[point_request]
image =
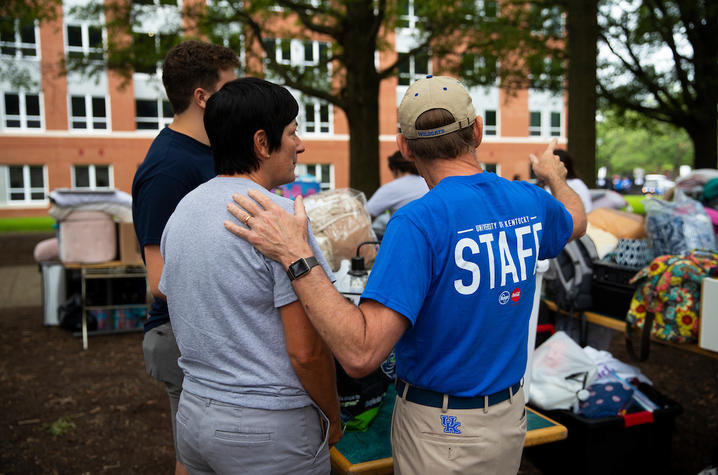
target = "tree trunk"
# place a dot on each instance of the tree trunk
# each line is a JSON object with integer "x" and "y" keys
{"x": 363, "y": 117}
{"x": 582, "y": 28}
{"x": 705, "y": 144}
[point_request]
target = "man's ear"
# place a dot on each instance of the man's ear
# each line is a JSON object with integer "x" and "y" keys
{"x": 200, "y": 97}
{"x": 478, "y": 130}
{"x": 404, "y": 148}
{"x": 261, "y": 144}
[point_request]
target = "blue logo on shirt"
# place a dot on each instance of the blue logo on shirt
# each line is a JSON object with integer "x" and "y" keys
{"x": 451, "y": 425}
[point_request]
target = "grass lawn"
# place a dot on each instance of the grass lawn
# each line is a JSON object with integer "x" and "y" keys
{"x": 33, "y": 223}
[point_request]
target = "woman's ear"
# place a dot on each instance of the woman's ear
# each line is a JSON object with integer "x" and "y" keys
{"x": 261, "y": 144}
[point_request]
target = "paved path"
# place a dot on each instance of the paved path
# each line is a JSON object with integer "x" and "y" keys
{"x": 20, "y": 286}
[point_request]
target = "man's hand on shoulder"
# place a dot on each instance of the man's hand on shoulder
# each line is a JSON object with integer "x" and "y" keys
{"x": 548, "y": 166}
{"x": 274, "y": 232}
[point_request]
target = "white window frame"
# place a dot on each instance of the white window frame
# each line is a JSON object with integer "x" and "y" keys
{"x": 555, "y": 131}
{"x": 408, "y": 17}
{"x": 161, "y": 120}
{"x": 319, "y": 126}
{"x": 85, "y": 48}
{"x": 23, "y": 117}
{"x": 26, "y": 189}
{"x": 19, "y": 45}
{"x": 491, "y": 130}
{"x": 89, "y": 117}
{"x": 323, "y": 171}
{"x": 533, "y": 129}
{"x": 412, "y": 74}
{"x": 92, "y": 175}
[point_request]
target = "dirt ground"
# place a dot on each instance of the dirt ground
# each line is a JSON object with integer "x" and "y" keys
{"x": 69, "y": 411}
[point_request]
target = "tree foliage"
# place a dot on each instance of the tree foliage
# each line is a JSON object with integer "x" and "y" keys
{"x": 663, "y": 64}
{"x": 630, "y": 141}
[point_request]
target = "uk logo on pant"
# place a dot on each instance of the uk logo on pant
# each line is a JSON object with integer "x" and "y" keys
{"x": 451, "y": 425}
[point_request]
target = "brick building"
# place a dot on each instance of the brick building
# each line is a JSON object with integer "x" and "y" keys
{"x": 70, "y": 131}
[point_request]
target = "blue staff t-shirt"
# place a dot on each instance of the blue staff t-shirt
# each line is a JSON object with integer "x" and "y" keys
{"x": 175, "y": 165}
{"x": 460, "y": 265}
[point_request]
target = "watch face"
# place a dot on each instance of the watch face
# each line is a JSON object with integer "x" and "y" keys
{"x": 298, "y": 268}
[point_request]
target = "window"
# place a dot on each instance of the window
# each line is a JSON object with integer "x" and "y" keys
{"x": 490, "y": 122}
{"x": 92, "y": 177}
{"x": 84, "y": 40}
{"x": 316, "y": 118}
{"x": 555, "y": 124}
{"x": 546, "y": 20}
{"x": 408, "y": 17}
{"x": 484, "y": 8}
{"x": 149, "y": 49}
{"x": 22, "y": 111}
{"x": 323, "y": 173}
{"x": 481, "y": 69}
{"x": 412, "y": 67}
{"x": 24, "y": 184}
{"x": 535, "y": 123}
{"x": 152, "y": 114}
{"x": 490, "y": 167}
{"x": 88, "y": 112}
{"x": 316, "y": 53}
{"x": 545, "y": 73}
{"x": 17, "y": 39}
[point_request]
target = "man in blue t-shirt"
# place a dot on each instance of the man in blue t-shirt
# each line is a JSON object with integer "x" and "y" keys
{"x": 452, "y": 287}
{"x": 178, "y": 160}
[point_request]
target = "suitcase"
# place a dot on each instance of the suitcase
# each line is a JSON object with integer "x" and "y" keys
{"x": 610, "y": 289}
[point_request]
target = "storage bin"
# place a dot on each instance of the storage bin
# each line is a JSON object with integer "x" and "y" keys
{"x": 639, "y": 442}
{"x": 610, "y": 290}
{"x": 54, "y": 291}
{"x": 87, "y": 237}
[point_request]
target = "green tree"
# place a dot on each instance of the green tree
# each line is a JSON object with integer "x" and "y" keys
{"x": 679, "y": 87}
{"x": 629, "y": 141}
{"x": 463, "y": 38}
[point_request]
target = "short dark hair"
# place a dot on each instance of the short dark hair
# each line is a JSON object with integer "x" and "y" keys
{"x": 397, "y": 163}
{"x": 444, "y": 146}
{"x": 193, "y": 64}
{"x": 567, "y": 160}
{"x": 236, "y": 112}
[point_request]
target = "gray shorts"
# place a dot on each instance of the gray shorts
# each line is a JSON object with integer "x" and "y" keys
{"x": 161, "y": 354}
{"x": 216, "y": 437}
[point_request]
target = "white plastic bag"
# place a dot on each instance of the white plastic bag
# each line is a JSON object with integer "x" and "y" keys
{"x": 560, "y": 370}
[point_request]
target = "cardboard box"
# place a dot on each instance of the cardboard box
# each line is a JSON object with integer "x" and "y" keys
{"x": 129, "y": 248}
{"x": 708, "y": 332}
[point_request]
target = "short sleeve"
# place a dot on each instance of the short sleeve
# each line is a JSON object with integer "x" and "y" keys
{"x": 557, "y": 222}
{"x": 155, "y": 202}
{"x": 401, "y": 275}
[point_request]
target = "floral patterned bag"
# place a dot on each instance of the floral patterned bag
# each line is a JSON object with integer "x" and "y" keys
{"x": 666, "y": 303}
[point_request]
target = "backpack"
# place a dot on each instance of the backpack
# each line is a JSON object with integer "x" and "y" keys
{"x": 666, "y": 304}
{"x": 570, "y": 275}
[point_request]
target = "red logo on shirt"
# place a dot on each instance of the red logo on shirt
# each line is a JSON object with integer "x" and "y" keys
{"x": 516, "y": 295}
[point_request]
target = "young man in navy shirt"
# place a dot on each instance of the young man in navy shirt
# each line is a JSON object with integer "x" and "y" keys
{"x": 451, "y": 288}
{"x": 178, "y": 160}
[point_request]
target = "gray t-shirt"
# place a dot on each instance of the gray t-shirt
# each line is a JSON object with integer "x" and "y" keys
{"x": 396, "y": 194}
{"x": 224, "y": 298}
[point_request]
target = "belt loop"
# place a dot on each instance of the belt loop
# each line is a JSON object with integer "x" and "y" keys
{"x": 511, "y": 395}
{"x": 522, "y": 382}
{"x": 486, "y": 404}
{"x": 445, "y": 403}
{"x": 406, "y": 389}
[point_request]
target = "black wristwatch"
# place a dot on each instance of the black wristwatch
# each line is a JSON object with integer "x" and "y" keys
{"x": 301, "y": 266}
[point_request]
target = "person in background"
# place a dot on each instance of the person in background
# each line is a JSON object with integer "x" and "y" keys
{"x": 574, "y": 181}
{"x": 406, "y": 186}
{"x": 451, "y": 288}
{"x": 259, "y": 394}
{"x": 178, "y": 160}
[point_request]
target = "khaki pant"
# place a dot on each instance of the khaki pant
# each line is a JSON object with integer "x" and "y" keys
{"x": 463, "y": 441}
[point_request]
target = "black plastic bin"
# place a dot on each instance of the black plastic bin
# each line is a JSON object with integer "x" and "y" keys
{"x": 637, "y": 443}
{"x": 610, "y": 289}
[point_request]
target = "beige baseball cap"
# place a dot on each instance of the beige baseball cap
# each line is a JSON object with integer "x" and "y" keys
{"x": 435, "y": 92}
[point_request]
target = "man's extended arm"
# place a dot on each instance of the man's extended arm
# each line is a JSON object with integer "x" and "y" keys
{"x": 549, "y": 168}
{"x": 313, "y": 364}
{"x": 360, "y": 337}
